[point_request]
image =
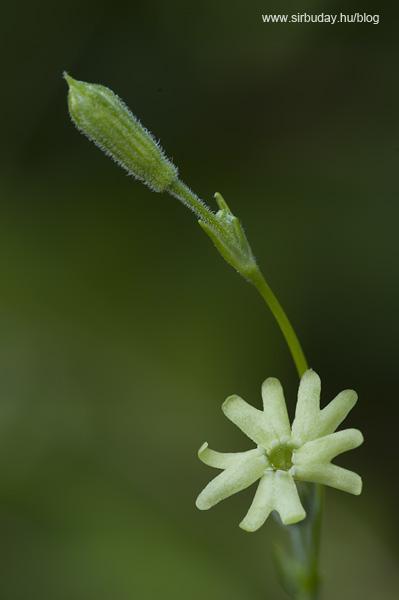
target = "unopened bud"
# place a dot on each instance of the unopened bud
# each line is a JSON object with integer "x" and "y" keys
{"x": 105, "y": 119}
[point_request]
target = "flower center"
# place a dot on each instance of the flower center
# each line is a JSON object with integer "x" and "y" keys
{"x": 281, "y": 457}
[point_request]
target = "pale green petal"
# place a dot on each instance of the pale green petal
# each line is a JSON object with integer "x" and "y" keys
{"x": 331, "y": 475}
{"x": 287, "y": 501}
{"x": 328, "y": 447}
{"x": 222, "y": 460}
{"x": 276, "y": 491}
{"x": 275, "y": 409}
{"x": 308, "y": 405}
{"x": 262, "y": 504}
{"x": 234, "y": 479}
{"x": 249, "y": 419}
{"x": 335, "y": 412}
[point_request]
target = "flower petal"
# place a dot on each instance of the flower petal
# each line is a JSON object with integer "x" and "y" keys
{"x": 335, "y": 412}
{"x": 328, "y": 447}
{"x": 262, "y": 504}
{"x": 222, "y": 460}
{"x": 249, "y": 419}
{"x": 234, "y": 479}
{"x": 308, "y": 405}
{"x": 331, "y": 475}
{"x": 275, "y": 408}
{"x": 287, "y": 501}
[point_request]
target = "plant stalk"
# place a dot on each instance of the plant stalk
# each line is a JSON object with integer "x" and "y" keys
{"x": 298, "y": 563}
{"x": 302, "y": 581}
{"x": 298, "y": 356}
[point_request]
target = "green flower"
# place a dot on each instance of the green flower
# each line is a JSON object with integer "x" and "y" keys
{"x": 283, "y": 454}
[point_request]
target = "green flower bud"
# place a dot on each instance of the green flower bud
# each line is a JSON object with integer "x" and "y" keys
{"x": 105, "y": 119}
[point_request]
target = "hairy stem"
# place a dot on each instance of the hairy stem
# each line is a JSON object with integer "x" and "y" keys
{"x": 182, "y": 192}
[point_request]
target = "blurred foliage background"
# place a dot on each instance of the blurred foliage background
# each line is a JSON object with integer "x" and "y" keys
{"x": 122, "y": 330}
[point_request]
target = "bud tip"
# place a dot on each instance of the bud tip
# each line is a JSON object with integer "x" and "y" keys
{"x": 68, "y": 78}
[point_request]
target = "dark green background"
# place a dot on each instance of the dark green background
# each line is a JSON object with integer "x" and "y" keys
{"x": 122, "y": 330}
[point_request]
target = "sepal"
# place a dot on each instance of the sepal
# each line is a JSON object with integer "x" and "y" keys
{"x": 230, "y": 240}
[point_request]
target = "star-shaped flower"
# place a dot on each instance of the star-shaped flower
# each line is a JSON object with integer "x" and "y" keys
{"x": 283, "y": 454}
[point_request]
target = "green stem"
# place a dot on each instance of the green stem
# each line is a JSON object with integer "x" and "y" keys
{"x": 279, "y": 314}
{"x": 182, "y": 192}
{"x": 300, "y": 568}
{"x": 304, "y": 538}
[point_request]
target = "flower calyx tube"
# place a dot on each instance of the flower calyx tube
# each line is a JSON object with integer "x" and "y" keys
{"x": 230, "y": 240}
{"x": 105, "y": 119}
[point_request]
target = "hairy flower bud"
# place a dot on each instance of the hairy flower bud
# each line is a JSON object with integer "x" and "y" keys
{"x": 105, "y": 119}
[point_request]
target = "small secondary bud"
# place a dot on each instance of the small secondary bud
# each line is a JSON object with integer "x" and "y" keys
{"x": 230, "y": 239}
{"x": 105, "y": 119}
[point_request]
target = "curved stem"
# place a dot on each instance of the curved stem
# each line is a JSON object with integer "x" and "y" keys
{"x": 258, "y": 280}
{"x": 301, "y": 565}
{"x": 304, "y": 538}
